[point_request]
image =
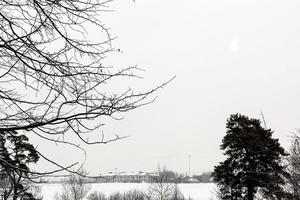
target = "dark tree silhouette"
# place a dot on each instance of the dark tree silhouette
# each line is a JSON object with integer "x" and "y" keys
{"x": 253, "y": 163}
{"x": 53, "y": 74}
{"x": 15, "y": 155}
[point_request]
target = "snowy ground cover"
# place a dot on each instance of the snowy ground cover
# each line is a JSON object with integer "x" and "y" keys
{"x": 197, "y": 191}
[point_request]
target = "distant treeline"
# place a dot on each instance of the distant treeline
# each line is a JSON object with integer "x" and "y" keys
{"x": 168, "y": 176}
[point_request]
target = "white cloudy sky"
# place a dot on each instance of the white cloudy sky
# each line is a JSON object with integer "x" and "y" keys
{"x": 228, "y": 56}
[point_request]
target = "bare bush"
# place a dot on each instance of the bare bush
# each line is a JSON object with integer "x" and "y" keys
{"x": 96, "y": 196}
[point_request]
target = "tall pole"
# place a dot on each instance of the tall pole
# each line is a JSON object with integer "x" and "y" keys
{"x": 189, "y": 165}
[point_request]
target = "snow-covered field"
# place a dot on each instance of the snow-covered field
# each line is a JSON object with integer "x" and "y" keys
{"x": 197, "y": 191}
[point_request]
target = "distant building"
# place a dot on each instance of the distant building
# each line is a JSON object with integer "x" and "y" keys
{"x": 124, "y": 177}
{"x": 192, "y": 180}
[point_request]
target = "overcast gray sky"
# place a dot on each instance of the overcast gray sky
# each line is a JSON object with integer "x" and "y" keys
{"x": 229, "y": 56}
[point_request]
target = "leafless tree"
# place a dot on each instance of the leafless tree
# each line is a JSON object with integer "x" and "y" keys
{"x": 293, "y": 167}
{"x": 53, "y": 74}
{"x": 163, "y": 189}
{"x": 75, "y": 187}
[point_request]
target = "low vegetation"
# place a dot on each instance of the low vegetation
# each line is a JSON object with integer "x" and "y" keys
{"x": 76, "y": 187}
{"x": 138, "y": 195}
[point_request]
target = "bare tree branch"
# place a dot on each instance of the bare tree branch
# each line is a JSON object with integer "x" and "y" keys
{"x": 53, "y": 75}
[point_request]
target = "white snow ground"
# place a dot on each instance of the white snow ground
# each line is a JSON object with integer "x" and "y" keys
{"x": 197, "y": 191}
